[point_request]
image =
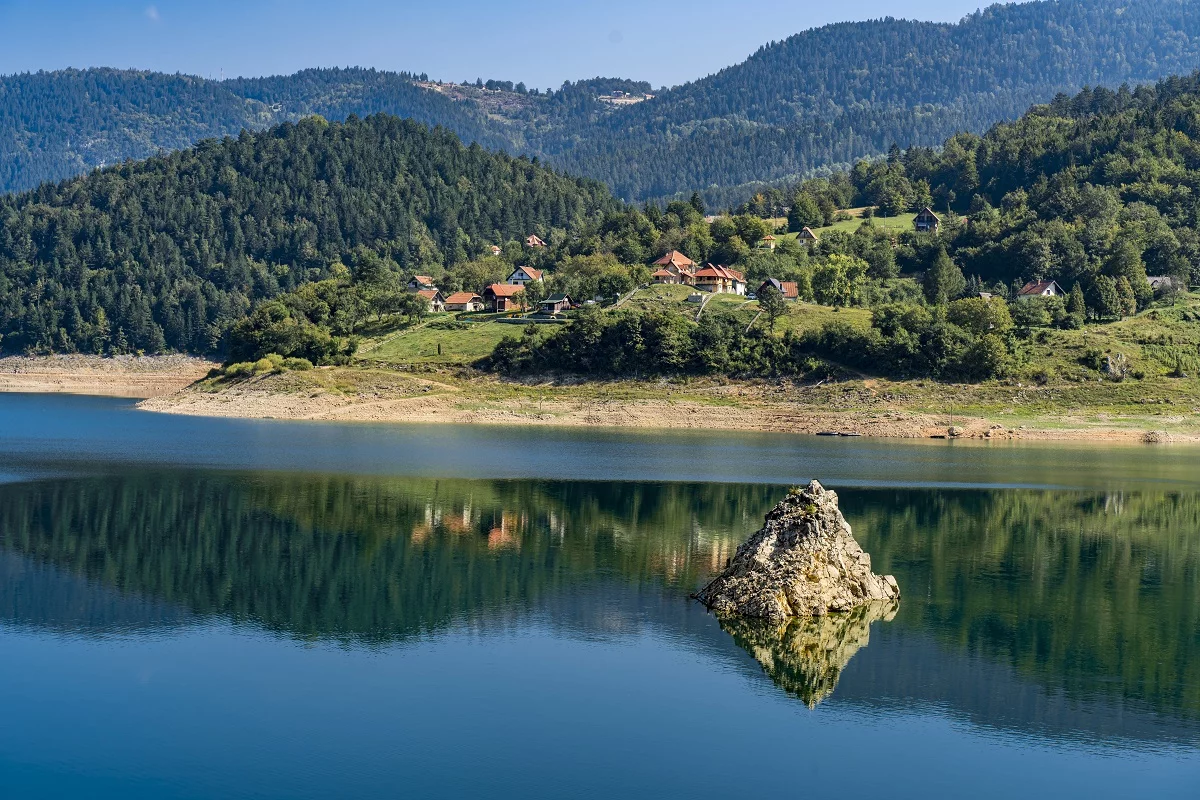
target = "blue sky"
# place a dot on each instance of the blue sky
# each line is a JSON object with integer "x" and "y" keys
{"x": 537, "y": 41}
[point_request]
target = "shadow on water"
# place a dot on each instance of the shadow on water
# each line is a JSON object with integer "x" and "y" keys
{"x": 1035, "y": 610}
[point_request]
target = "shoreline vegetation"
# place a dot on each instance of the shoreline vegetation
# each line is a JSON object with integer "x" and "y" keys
{"x": 868, "y": 407}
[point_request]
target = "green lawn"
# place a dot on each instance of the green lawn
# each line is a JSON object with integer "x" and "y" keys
{"x": 461, "y": 343}
{"x": 901, "y": 222}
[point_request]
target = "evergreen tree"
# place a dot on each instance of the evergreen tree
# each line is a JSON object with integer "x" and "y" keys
{"x": 944, "y": 279}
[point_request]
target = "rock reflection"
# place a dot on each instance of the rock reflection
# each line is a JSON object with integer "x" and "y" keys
{"x": 806, "y": 655}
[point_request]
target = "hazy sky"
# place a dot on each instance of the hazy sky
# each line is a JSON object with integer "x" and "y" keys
{"x": 538, "y": 41}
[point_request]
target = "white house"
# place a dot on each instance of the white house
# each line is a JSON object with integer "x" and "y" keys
{"x": 1040, "y": 289}
{"x": 523, "y": 275}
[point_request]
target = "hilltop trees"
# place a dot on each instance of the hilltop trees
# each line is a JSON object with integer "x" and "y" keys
{"x": 171, "y": 252}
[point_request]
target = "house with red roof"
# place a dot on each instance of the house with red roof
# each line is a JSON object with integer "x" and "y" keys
{"x": 720, "y": 280}
{"x": 789, "y": 289}
{"x": 675, "y": 268}
{"x": 534, "y": 241}
{"x": 501, "y": 297}
{"x": 464, "y": 301}
{"x": 437, "y": 303}
{"x": 1040, "y": 289}
{"x": 420, "y": 282}
{"x": 523, "y": 275}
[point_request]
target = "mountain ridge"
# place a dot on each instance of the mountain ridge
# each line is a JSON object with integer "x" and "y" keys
{"x": 823, "y": 96}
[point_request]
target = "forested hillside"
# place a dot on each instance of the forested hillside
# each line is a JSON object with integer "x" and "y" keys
{"x": 833, "y": 94}
{"x": 56, "y": 125}
{"x": 825, "y": 96}
{"x": 168, "y": 253}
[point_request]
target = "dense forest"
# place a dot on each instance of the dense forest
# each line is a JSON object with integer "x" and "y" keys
{"x": 825, "y": 96}
{"x": 168, "y": 253}
{"x": 1086, "y": 190}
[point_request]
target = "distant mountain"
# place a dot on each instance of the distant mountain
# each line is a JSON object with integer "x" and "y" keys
{"x": 56, "y": 125}
{"x": 824, "y": 96}
{"x": 168, "y": 253}
{"x": 833, "y": 94}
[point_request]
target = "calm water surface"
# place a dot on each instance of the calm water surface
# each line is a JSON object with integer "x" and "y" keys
{"x": 200, "y": 608}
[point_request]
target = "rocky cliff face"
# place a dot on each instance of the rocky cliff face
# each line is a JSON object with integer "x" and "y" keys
{"x": 804, "y": 562}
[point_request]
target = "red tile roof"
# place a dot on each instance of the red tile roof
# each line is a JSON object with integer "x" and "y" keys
{"x": 462, "y": 298}
{"x": 790, "y": 290}
{"x": 1036, "y": 287}
{"x": 423, "y": 280}
{"x": 536, "y": 274}
{"x": 711, "y": 271}
{"x": 534, "y": 241}
{"x": 429, "y": 294}
{"x": 676, "y": 259}
{"x": 504, "y": 289}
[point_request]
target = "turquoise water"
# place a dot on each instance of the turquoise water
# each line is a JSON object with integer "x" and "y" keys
{"x": 199, "y": 608}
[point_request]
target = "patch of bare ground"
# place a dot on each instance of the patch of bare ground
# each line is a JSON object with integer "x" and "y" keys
{"x": 118, "y": 376}
{"x": 868, "y": 408}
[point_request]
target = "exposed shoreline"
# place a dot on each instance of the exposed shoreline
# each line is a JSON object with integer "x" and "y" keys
{"x": 119, "y": 376}
{"x": 382, "y": 396}
{"x": 177, "y": 385}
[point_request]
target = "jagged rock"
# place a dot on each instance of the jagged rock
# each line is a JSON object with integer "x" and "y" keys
{"x": 804, "y": 562}
{"x": 805, "y": 656}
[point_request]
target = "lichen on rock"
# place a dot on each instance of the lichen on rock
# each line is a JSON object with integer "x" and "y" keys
{"x": 804, "y": 562}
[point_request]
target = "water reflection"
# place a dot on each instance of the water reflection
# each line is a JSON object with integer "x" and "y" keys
{"x": 806, "y": 656}
{"x": 1091, "y": 598}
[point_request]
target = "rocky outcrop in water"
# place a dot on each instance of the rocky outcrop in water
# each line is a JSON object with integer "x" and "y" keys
{"x": 803, "y": 563}
{"x": 805, "y": 656}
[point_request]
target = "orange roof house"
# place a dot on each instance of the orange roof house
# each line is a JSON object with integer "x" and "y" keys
{"x": 437, "y": 303}
{"x": 715, "y": 278}
{"x": 676, "y": 259}
{"x": 675, "y": 267}
{"x": 523, "y": 275}
{"x": 534, "y": 241}
{"x": 464, "y": 301}
{"x": 789, "y": 289}
{"x": 503, "y": 296}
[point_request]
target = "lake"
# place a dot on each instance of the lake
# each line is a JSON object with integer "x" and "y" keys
{"x": 200, "y": 607}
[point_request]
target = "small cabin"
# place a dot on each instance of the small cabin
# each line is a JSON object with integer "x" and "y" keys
{"x": 421, "y": 282}
{"x": 767, "y": 242}
{"x": 523, "y": 275}
{"x": 464, "y": 301}
{"x": 437, "y": 303}
{"x": 806, "y": 237}
{"x": 496, "y": 250}
{"x": 789, "y": 289}
{"x": 1040, "y": 289}
{"x": 555, "y": 304}
{"x": 927, "y": 221}
{"x": 500, "y": 297}
{"x": 534, "y": 241}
